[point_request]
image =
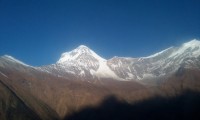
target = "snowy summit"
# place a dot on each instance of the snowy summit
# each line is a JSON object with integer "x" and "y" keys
{"x": 77, "y": 53}
{"x": 83, "y": 59}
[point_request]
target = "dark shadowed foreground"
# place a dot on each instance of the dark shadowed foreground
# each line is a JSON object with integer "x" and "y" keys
{"x": 186, "y": 106}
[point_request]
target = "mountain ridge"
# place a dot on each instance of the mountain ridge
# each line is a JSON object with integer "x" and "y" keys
{"x": 54, "y": 92}
{"x": 126, "y": 68}
{"x": 189, "y": 43}
{"x": 84, "y": 63}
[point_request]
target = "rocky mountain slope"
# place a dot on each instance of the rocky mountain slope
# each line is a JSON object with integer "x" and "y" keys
{"x": 52, "y": 97}
{"x": 82, "y": 79}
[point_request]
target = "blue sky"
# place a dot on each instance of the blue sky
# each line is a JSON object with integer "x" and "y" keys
{"x": 38, "y": 31}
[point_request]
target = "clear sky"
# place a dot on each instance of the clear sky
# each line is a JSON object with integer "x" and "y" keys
{"x": 38, "y": 31}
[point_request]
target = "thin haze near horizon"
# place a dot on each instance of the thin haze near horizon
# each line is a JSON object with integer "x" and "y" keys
{"x": 37, "y": 32}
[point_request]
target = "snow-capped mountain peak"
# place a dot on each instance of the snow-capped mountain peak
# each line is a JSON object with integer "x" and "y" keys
{"x": 191, "y": 48}
{"x": 192, "y": 44}
{"x": 84, "y": 63}
{"x": 79, "y": 53}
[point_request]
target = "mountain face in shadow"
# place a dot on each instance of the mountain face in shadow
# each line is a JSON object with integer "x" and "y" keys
{"x": 12, "y": 108}
{"x": 185, "y": 106}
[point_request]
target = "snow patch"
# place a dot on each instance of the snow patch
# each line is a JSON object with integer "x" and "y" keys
{"x": 146, "y": 75}
{"x": 82, "y": 73}
{"x": 130, "y": 75}
{"x": 105, "y": 72}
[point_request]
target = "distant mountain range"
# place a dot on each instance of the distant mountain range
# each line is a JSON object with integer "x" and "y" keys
{"x": 81, "y": 78}
{"x": 84, "y": 63}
